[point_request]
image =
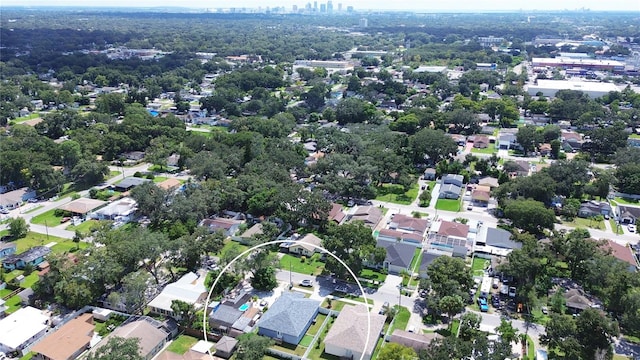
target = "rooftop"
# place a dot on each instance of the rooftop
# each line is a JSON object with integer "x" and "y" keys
{"x": 68, "y": 339}
{"x": 189, "y": 288}
{"x": 19, "y": 327}
{"x": 349, "y": 331}
{"x": 82, "y": 205}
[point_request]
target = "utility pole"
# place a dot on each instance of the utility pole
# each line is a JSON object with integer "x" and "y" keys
{"x": 290, "y": 276}
{"x": 46, "y": 227}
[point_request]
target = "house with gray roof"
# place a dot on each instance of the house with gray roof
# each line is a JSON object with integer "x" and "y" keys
{"x": 593, "y": 208}
{"x": 628, "y": 214}
{"x": 33, "y": 257}
{"x": 399, "y": 256}
{"x": 7, "y": 248}
{"x": 289, "y": 318}
{"x": 449, "y": 191}
{"x": 223, "y": 317}
{"x": 129, "y": 183}
{"x": 425, "y": 261}
{"x": 497, "y": 238}
{"x": 454, "y": 179}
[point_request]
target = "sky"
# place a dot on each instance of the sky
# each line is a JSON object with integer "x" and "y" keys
{"x": 428, "y": 5}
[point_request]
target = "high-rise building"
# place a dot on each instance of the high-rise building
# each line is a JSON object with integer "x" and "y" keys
{"x": 329, "y": 6}
{"x": 294, "y": 8}
{"x": 315, "y": 6}
{"x": 339, "y": 7}
{"x": 363, "y": 23}
{"x": 350, "y": 9}
{"x": 323, "y": 8}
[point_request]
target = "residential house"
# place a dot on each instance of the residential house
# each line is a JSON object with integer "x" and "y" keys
{"x": 489, "y": 181}
{"x": 7, "y": 248}
{"x": 68, "y": 342}
{"x": 134, "y": 155}
{"x": 409, "y": 224}
{"x": 622, "y": 253}
{"x": 429, "y": 174}
{"x": 170, "y": 185}
{"x": 545, "y": 149}
{"x": 289, "y": 318}
{"x": 307, "y": 245}
{"x": 336, "y": 214}
{"x": 593, "y": 208}
{"x": 449, "y": 191}
{"x": 13, "y": 199}
{"x": 82, "y": 206}
{"x": 20, "y": 329}
{"x": 519, "y": 168}
{"x": 571, "y": 140}
{"x": 370, "y": 215}
{"x": 461, "y": 140}
{"x": 480, "y": 197}
{"x": 576, "y": 300}
{"x": 399, "y": 256}
{"x": 450, "y": 228}
{"x": 628, "y": 214}
{"x": 495, "y": 241}
{"x": 189, "y": 288}
{"x": 129, "y": 183}
{"x": 481, "y": 142}
{"x": 32, "y": 257}
{"x": 228, "y": 226}
{"x": 454, "y": 179}
{"x": 449, "y": 238}
{"x": 350, "y": 333}
{"x": 507, "y": 141}
{"x": 246, "y": 236}
{"x": 123, "y": 210}
{"x": 199, "y": 351}
{"x": 413, "y": 340}
{"x": 400, "y": 236}
{"x": 152, "y": 335}
{"x": 223, "y": 317}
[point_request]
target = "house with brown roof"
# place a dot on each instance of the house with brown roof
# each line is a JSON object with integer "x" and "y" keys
{"x": 370, "y": 215}
{"x": 409, "y": 224}
{"x": 68, "y": 342}
{"x": 481, "y": 142}
{"x": 545, "y": 149}
{"x": 400, "y": 236}
{"x": 489, "y": 181}
{"x": 152, "y": 335}
{"x": 349, "y": 333}
{"x": 413, "y": 340}
{"x": 450, "y": 229}
{"x": 170, "y": 184}
{"x": 228, "y": 226}
{"x": 480, "y": 197}
{"x": 306, "y": 245}
{"x": 336, "y": 214}
{"x": 622, "y": 253}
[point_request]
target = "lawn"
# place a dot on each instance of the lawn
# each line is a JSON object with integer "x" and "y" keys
{"x": 13, "y": 304}
{"x": 371, "y": 274}
{"x": 488, "y": 150}
{"x": 585, "y": 223}
{"x": 28, "y": 356}
{"x": 539, "y": 317}
{"x": 47, "y": 218}
{"x": 35, "y": 239}
{"x": 182, "y": 344}
{"x": 229, "y": 244}
{"x": 625, "y": 201}
{"x": 614, "y": 226}
{"x": 478, "y": 266}
{"x": 448, "y": 205}
{"x": 22, "y": 119}
{"x": 415, "y": 262}
{"x": 85, "y": 228}
{"x": 313, "y": 329}
{"x": 401, "y": 320}
{"x": 451, "y": 330}
{"x": 310, "y": 266}
{"x": 159, "y": 179}
{"x": 336, "y": 305}
{"x": 395, "y": 193}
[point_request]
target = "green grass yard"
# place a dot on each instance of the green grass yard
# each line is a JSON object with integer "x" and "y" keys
{"x": 625, "y": 201}
{"x": 35, "y": 239}
{"x": 85, "y": 228}
{"x": 47, "y": 218}
{"x": 585, "y": 223}
{"x": 448, "y": 205}
{"x": 310, "y": 266}
{"x": 491, "y": 149}
{"x": 402, "y": 319}
{"x": 182, "y": 344}
{"x": 395, "y": 193}
{"x": 478, "y": 266}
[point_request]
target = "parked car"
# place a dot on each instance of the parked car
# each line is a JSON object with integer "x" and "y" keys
{"x": 512, "y": 291}
{"x": 496, "y": 283}
{"x": 482, "y": 303}
{"x": 384, "y": 308}
{"x": 544, "y": 310}
{"x": 306, "y": 283}
{"x": 631, "y": 228}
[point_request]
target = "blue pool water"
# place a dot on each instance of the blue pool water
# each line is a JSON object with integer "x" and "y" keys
{"x": 153, "y": 113}
{"x": 244, "y": 307}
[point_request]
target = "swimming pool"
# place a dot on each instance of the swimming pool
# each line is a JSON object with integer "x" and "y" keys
{"x": 244, "y": 307}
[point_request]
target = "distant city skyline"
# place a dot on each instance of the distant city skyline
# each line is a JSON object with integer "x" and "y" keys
{"x": 460, "y": 5}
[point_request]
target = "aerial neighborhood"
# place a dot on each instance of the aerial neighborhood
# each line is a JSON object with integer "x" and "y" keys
{"x": 319, "y": 182}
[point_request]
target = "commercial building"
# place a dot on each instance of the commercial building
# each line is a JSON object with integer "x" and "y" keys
{"x": 581, "y": 63}
{"x": 549, "y": 88}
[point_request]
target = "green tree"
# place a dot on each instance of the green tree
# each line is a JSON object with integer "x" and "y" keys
{"x": 252, "y": 346}
{"x": 117, "y": 348}
{"x": 528, "y": 137}
{"x": 353, "y": 110}
{"x": 507, "y": 332}
{"x": 184, "y": 312}
{"x": 451, "y": 305}
{"x": 110, "y": 104}
{"x": 393, "y": 351}
{"x": 428, "y": 145}
{"x": 18, "y": 228}
{"x": 529, "y": 215}
{"x": 352, "y": 243}
{"x": 449, "y": 276}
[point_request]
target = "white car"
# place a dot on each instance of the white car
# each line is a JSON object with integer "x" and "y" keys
{"x": 631, "y": 228}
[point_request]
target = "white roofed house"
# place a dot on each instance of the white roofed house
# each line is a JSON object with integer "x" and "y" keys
{"x": 305, "y": 245}
{"x": 20, "y": 329}
{"x": 189, "y": 288}
{"x": 123, "y": 209}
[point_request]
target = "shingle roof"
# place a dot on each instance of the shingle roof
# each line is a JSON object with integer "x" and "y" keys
{"x": 409, "y": 223}
{"x": 289, "y": 314}
{"x": 413, "y": 340}
{"x": 621, "y": 252}
{"x": 501, "y": 238}
{"x": 398, "y": 254}
{"x": 449, "y": 228}
{"x": 349, "y": 331}
{"x": 27, "y": 256}
{"x": 147, "y": 330}
{"x": 68, "y": 339}
{"x": 225, "y": 315}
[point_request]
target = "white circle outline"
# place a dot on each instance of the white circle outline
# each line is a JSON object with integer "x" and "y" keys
{"x": 255, "y": 247}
